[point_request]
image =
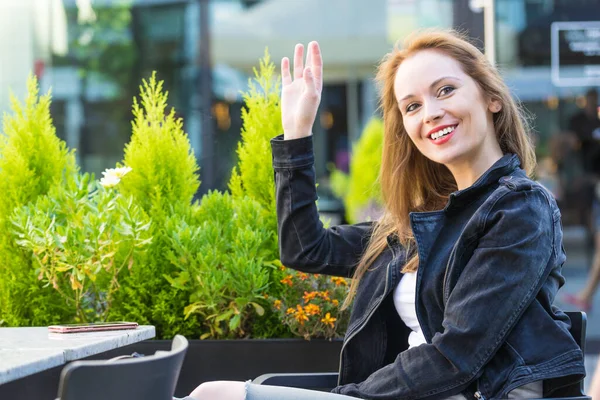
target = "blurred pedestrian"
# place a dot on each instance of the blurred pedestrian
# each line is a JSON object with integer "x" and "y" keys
{"x": 586, "y": 125}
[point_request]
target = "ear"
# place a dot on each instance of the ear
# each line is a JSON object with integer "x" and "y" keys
{"x": 494, "y": 106}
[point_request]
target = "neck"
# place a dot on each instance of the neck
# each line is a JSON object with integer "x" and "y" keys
{"x": 469, "y": 169}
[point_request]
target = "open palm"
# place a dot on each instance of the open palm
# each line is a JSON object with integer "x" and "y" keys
{"x": 300, "y": 96}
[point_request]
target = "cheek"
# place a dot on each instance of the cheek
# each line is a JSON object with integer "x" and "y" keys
{"x": 412, "y": 128}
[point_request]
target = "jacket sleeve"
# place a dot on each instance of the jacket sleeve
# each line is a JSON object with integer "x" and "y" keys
{"x": 304, "y": 243}
{"x": 516, "y": 252}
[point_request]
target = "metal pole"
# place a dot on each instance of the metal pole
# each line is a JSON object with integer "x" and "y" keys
{"x": 489, "y": 27}
{"x": 207, "y": 173}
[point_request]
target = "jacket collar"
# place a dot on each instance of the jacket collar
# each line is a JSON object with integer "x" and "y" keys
{"x": 504, "y": 166}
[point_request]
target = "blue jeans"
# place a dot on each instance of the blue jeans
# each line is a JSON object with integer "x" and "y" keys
{"x": 266, "y": 392}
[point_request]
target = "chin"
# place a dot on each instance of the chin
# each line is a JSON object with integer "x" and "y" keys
{"x": 446, "y": 157}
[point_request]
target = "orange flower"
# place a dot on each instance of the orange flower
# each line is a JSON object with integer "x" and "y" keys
{"x": 277, "y": 304}
{"x": 266, "y": 296}
{"x": 287, "y": 280}
{"x": 309, "y": 296}
{"x": 328, "y": 320}
{"x": 335, "y": 302}
{"x": 301, "y": 315}
{"x": 312, "y": 309}
{"x": 290, "y": 311}
{"x": 324, "y": 295}
{"x": 339, "y": 281}
{"x": 282, "y": 268}
{"x": 302, "y": 276}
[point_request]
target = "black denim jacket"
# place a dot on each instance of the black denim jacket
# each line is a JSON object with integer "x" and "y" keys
{"x": 489, "y": 269}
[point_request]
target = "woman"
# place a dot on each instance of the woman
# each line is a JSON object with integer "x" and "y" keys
{"x": 454, "y": 285}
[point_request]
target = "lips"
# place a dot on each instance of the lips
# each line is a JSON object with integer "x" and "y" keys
{"x": 441, "y": 130}
{"x": 442, "y": 134}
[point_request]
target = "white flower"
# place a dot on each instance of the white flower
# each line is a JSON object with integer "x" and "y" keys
{"x": 121, "y": 172}
{"x": 117, "y": 172}
{"x": 110, "y": 181}
{"x": 112, "y": 176}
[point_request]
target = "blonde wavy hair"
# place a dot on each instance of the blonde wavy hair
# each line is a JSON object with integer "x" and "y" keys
{"x": 410, "y": 181}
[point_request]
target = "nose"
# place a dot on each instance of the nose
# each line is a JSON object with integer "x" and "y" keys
{"x": 433, "y": 112}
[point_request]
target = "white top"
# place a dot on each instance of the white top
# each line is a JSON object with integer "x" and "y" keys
{"x": 26, "y": 351}
{"x": 404, "y": 301}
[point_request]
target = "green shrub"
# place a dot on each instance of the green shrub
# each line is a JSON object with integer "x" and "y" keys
{"x": 82, "y": 239}
{"x": 222, "y": 259}
{"x": 165, "y": 172}
{"x": 253, "y": 176}
{"x": 226, "y": 252}
{"x": 32, "y": 161}
{"x": 360, "y": 189}
{"x": 261, "y": 118}
{"x": 163, "y": 181}
{"x": 206, "y": 271}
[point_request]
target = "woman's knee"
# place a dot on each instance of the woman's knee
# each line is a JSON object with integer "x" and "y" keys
{"x": 220, "y": 390}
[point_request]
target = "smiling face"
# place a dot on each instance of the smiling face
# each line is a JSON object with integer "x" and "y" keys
{"x": 445, "y": 113}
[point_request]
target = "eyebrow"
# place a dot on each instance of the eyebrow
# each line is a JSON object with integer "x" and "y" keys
{"x": 438, "y": 80}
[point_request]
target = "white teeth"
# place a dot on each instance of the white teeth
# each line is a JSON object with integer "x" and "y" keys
{"x": 443, "y": 132}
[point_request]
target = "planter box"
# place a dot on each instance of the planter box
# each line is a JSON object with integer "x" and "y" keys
{"x": 206, "y": 360}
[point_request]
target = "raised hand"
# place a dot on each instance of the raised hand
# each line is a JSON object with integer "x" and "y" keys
{"x": 300, "y": 96}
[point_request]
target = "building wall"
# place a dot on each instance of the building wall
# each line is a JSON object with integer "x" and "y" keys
{"x": 16, "y": 49}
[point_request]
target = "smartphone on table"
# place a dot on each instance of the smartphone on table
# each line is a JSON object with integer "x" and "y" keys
{"x": 92, "y": 327}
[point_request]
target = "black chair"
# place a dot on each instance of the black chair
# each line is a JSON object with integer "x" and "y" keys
{"x": 134, "y": 377}
{"x": 327, "y": 381}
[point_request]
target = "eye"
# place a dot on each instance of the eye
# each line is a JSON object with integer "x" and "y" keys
{"x": 411, "y": 107}
{"x": 445, "y": 90}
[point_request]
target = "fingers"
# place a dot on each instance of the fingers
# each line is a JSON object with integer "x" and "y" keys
{"x": 316, "y": 64}
{"x": 286, "y": 77}
{"x": 309, "y": 80}
{"x": 298, "y": 61}
{"x": 314, "y": 61}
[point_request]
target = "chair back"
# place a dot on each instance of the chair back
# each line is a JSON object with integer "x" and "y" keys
{"x": 151, "y": 377}
{"x": 578, "y": 327}
{"x": 575, "y": 390}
